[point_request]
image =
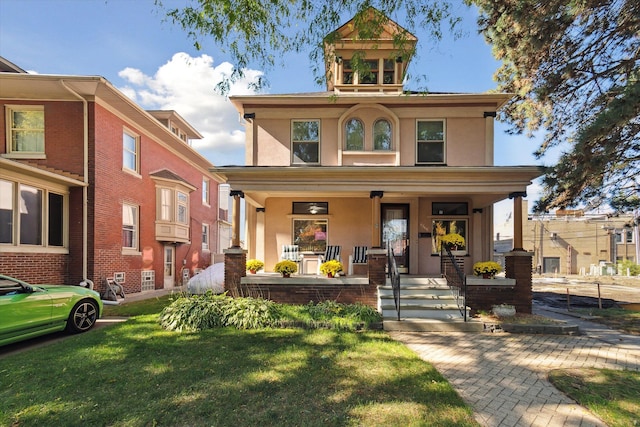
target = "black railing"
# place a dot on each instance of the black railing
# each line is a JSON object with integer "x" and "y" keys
{"x": 394, "y": 277}
{"x": 456, "y": 279}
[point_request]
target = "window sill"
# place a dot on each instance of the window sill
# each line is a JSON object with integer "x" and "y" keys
{"x": 131, "y": 172}
{"x": 35, "y": 156}
{"x": 7, "y": 248}
{"x": 127, "y": 251}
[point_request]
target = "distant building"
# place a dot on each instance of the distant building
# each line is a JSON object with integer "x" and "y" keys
{"x": 577, "y": 242}
{"x": 92, "y": 186}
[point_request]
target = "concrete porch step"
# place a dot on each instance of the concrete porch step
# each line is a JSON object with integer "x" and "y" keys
{"x": 432, "y": 325}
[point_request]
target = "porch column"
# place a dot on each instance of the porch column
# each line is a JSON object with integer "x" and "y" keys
{"x": 489, "y": 117}
{"x": 375, "y": 196}
{"x": 235, "y": 224}
{"x": 517, "y": 219}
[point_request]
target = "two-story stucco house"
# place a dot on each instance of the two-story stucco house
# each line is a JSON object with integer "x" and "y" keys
{"x": 366, "y": 163}
{"x": 94, "y": 187}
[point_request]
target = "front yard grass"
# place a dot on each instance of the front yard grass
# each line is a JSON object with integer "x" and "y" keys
{"x": 137, "y": 374}
{"x": 616, "y": 318}
{"x": 612, "y": 395}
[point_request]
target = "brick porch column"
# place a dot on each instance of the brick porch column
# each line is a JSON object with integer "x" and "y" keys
{"x": 235, "y": 267}
{"x": 376, "y": 263}
{"x": 518, "y": 265}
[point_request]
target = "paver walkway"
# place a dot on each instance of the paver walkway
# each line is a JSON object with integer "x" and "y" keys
{"x": 504, "y": 376}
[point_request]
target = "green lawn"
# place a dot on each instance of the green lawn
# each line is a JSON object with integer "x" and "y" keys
{"x": 614, "y": 396}
{"x": 137, "y": 374}
{"x": 616, "y": 318}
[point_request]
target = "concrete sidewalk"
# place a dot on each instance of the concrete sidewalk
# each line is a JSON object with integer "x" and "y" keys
{"x": 504, "y": 376}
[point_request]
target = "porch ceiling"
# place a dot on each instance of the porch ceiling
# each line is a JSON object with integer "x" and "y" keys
{"x": 484, "y": 185}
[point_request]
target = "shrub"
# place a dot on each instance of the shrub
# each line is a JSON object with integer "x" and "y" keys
{"x": 197, "y": 312}
{"x": 634, "y": 269}
{"x": 194, "y": 313}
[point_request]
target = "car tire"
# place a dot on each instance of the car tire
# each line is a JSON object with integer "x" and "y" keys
{"x": 83, "y": 316}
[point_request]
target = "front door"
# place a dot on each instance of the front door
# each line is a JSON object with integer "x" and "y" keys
{"x": 169, "y": 266}
{"x": 395, "y": 232}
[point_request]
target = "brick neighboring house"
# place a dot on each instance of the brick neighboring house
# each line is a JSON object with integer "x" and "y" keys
{"x": 92, "y": 186}
{"x": 366, "y": 163}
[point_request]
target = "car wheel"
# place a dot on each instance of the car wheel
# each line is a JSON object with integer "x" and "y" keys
{"x": 82, "y": 317}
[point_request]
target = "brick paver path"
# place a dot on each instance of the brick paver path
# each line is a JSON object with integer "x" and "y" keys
{"x": 504, "y": 376}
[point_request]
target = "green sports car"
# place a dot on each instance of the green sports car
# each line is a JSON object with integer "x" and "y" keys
{"x": 27, "y": 311}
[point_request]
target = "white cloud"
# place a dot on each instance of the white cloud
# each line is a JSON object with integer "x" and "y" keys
{"x": 187, "y": 85}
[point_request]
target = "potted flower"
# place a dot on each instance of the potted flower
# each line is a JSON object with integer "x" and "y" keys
{"x": 452, "y": 240}
{"x": 331, "y": 268}
{"x": 254, "y": 265}
{"x": 286, "y": 268}
{"x": 486, "y": 269}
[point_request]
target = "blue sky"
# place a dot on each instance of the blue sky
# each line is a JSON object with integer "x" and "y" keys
{"x": 130, "y": 44}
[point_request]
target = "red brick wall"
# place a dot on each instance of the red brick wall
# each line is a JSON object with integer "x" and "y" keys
{"x": 36, "y": 268}
{"x": 302, "y": 294}
{"x": 111, "y": 187}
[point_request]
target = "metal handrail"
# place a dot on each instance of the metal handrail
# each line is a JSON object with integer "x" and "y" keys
{"x": 455, "y": 279}
{"x": 394, "y": 277}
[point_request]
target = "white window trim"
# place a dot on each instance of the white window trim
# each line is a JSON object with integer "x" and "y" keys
{"x": 206, "y": 245}
{"x": 444, "y": 142}
{"x": 136, "y": 138}
{"x": 10, "y": 153}
{"x": 135, "y": 248}
{"x": 206, "y": 192}
{"x": 46, "y": 188}
{"x": 293, "y": 157}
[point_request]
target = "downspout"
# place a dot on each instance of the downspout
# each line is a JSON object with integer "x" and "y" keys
{"x": 85, "y": 174}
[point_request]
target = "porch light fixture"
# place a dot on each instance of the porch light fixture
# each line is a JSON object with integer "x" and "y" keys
{"x": 249, "y": 116}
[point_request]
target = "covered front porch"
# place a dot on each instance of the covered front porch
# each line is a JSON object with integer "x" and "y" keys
{"x": 410, "y": 208}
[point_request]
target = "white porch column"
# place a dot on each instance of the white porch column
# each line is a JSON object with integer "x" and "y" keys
{"x": 488, "y": 136}
{"x": 235, "y": 224}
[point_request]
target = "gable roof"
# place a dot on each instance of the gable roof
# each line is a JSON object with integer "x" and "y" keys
{"x": 7, "y": 66}
{"x": 385, "y": 28}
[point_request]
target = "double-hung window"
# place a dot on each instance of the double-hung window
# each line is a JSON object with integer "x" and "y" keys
{"x": 430, "y": 141}
{"x": 129, "y": 226}
{"x": 305, "y": 141}
{"x": 25, "y": 130}
{"x": 205, "y": 237}
{"x": 205, "y": 191}
{"x": 130, "y": 151}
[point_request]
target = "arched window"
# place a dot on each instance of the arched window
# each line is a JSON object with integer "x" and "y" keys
{"x": 354, "y": 133}
{"x": 382, "y": 135}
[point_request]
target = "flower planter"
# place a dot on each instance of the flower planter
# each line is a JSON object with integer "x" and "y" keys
{"x": 504, "y": 310}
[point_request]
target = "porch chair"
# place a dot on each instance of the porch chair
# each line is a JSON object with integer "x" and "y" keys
{"x": 332, "y": 252}
{"x": 291, "y": 253}
{"x": 358, "y": 257}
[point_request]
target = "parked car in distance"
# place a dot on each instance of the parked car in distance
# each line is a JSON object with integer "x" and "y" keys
{"x": 28, "y": 311}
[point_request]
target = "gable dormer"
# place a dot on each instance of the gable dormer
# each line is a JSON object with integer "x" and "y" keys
{"x": 178, "y": 126}
{"x": 370, "y": 53}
